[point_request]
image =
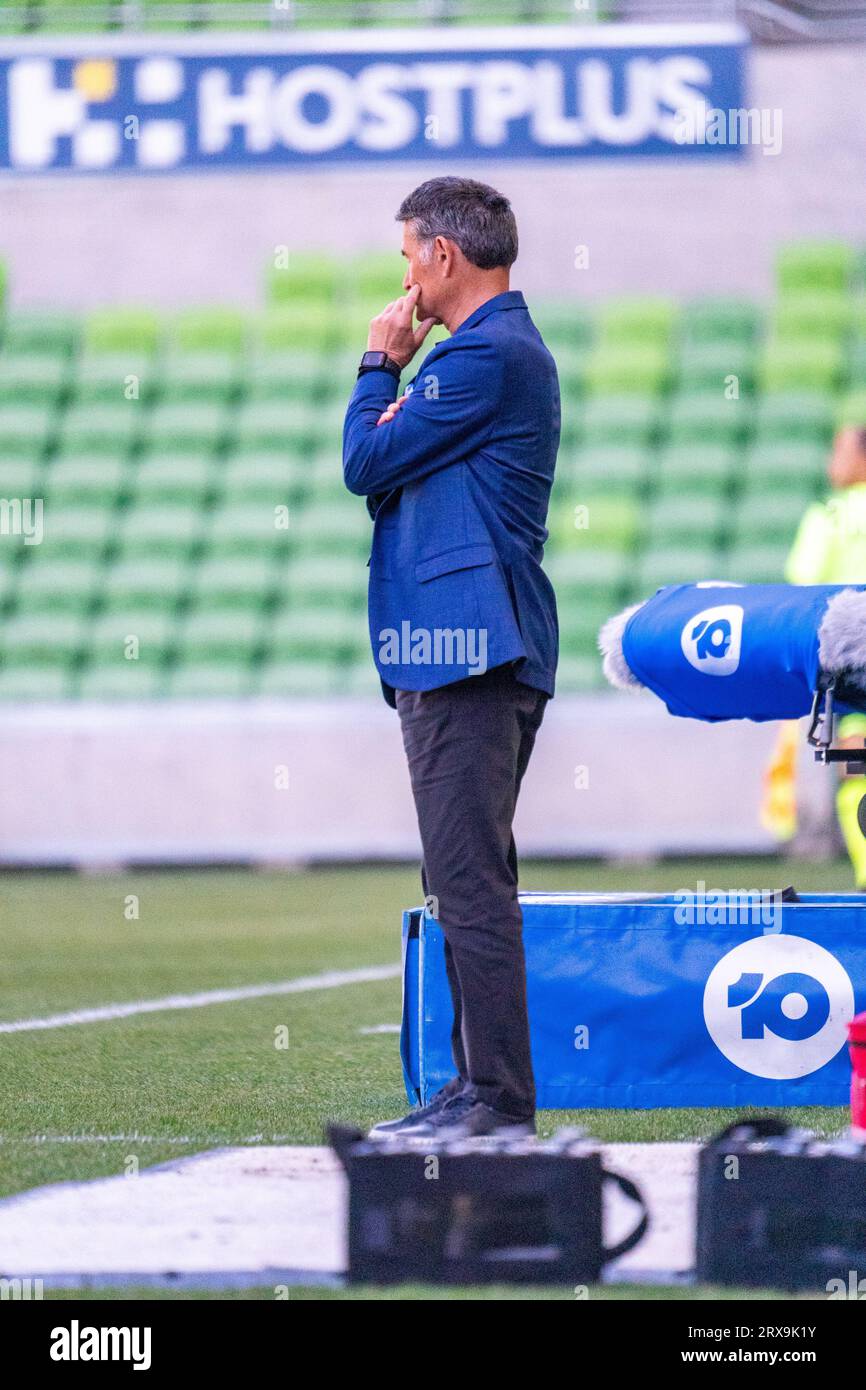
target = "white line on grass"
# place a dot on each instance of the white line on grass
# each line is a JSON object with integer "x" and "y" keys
{"x": 329, "y": 979}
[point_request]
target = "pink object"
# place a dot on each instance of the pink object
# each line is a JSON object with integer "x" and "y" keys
{"x": 857, "y": 1048}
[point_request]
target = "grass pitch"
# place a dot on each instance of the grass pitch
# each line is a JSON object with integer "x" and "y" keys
{"x": 78, "y": 1102}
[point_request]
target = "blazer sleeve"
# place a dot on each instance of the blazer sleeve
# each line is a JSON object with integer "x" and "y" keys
{"x": 448, "y": 415}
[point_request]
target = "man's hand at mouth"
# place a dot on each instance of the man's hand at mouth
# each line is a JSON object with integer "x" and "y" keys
{"x": 392, "y": 330}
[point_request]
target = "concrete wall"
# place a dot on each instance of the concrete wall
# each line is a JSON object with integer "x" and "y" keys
{"x": 650, "y": 227}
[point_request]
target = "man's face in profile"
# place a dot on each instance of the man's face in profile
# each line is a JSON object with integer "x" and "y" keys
{"x": 420, "y": 272}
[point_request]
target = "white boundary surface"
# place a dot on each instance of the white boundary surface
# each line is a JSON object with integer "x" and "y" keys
{"x": 242, "y": 1216}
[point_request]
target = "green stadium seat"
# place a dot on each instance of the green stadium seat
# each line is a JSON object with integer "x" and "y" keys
{"x": 40, "y": 332}
{"x": 173, "y": 478}
{"x": 696, "y": 469}
{"x": 20, "y": 477}
{"x": 712, "y": 320}
{"x": 564, "y": 323}
{"x": 25, "y": 430}
{"x": 42, "y": 639}
{"x": 708, "y": 418}
{"x": 317, "y": 634}
{"x": 145, "y": 582}
{"x": 29, "y": 683}
{"x": 769, "y": 517}
{"x": 785, "y": 464}
{"x": 626, "y": 369}
{"x": 187, "y": 428}
{"x": 115, "y": 378}
{"x": 676, "y": 564}
{"x": 583, "y": 572}
{"x": 78, "y": 532}
{"x": 323, "y": 476}
{"x": 272, "y": 478}
{"x": 361, "y": 678}
{"x": 756, "y": 563}
{"x": 715, "y": 365}
{"x": 119, "y": 330}
{"x": 340, "y": 580}
{"x": 857, "y": 364}
{"x": 815, "y": 265}
{"x": 579, "y": 625}
{"x": 84, "y": 480}
{"x": 125, "y": 680}
{"x": 243, "y": 582}
{"x": 32, "y": 378}
{"x": 210, "y": 680}
{"x": 213, "y": 635}
{"x": 307, "y": 275}
{"x": 691, "y": 522}
{"x": 266, "y": 426}
{"x": 851, "y": 410}
{"x": 241, "y": 528}
{"x": 376, "y": 276}
{"x": 579, "y": 674}
{"x": 636, "y": 320}
{"x": 807, "y": 365}
{"x": 211, "y": 329}
{"x": 609, "y": 522}
{"x": 610, "y": 468}
{"x": 46, "y": 585}
{"x": 787, "y": 415}
{"x": 101, "y": 429}
{"x": 328, "y": 529}
{"x": 294, "y": 678}
{"x": 571, "y": 365}
{"x": 8, "y": 583}
{"x": 618, "y": 420}
{"x": 160, "y": 530}
{"x": 291, "y": 375}
{"x": 201, "y": 376}
{"x": 824, "y": 316}
{"x": 315, "y": 328}
{"x": 126, "y": 637}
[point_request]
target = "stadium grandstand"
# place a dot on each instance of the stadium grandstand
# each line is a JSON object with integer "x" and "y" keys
{"x": 811, "y": 20}
{"x": 193, "y": 500}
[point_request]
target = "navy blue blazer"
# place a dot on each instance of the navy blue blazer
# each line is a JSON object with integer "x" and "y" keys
{"x": 458, "y": 485}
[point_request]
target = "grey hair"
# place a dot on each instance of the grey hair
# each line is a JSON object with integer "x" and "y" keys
{"x": 473, "y": 215}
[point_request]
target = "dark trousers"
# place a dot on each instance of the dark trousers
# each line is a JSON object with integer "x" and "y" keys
{"x": 468, "y": 746}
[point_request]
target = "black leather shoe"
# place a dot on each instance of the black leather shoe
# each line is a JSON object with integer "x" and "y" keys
{"x": 467, "y": 1117}
{"x": 449, "y": 1091}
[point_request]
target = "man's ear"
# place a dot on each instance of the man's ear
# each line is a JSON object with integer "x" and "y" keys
{"x": 444, "y": 256}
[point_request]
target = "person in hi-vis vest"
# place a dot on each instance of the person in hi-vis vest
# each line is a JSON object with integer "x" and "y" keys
{"x": 829, "y": 548}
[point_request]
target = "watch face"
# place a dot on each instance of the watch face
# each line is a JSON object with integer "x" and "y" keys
{"x": 374, "y": 359}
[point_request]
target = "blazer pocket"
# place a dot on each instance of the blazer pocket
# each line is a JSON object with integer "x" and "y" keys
{"x": 462, "y": 557}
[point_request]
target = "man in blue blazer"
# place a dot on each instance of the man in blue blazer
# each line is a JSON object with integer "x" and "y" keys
{"x": 457, "y": 474}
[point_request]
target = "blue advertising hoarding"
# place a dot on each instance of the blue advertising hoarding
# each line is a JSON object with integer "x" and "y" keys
{"x": 647, "y": 1000}
{"x": 231, "y": 101}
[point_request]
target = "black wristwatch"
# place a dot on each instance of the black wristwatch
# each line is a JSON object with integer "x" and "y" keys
{"x": 380, "y": 362}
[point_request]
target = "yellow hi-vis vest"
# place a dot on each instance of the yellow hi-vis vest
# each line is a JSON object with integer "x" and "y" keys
{"x": 830, "y": 546}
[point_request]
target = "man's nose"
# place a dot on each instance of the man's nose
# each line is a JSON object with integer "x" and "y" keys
{"x": 407, "y": 280}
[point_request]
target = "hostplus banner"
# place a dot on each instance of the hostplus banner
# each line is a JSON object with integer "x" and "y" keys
{"x": 159, "y": 105}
